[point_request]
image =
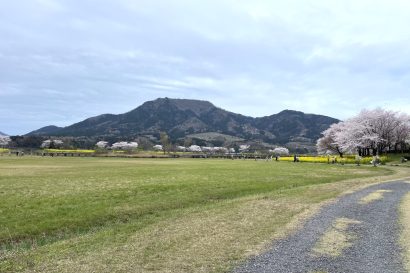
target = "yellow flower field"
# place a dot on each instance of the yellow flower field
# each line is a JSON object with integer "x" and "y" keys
{"x": 348, "y": 159}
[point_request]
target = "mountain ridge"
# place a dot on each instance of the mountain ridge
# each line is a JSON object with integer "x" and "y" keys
{"x": 182, "y": 117}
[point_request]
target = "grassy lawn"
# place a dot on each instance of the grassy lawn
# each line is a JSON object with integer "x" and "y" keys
{"x": 162, "y": 215}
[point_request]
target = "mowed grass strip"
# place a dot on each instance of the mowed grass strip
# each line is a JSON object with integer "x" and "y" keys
{"x": 150, "y": 215}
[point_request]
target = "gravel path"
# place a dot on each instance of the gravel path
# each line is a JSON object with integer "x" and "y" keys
{"x": 374, "y": 246}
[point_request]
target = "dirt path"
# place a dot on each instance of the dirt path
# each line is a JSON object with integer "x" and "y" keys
{"x": 359, "y": 233}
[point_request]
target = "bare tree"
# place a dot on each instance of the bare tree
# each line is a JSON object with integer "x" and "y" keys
{"x": 165, "y": 142}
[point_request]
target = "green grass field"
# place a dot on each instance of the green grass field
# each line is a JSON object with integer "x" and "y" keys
{"x": 162, "y": 215}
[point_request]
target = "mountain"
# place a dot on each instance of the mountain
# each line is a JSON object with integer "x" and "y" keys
{"x": 48, "y": 130}
{"x": 291, "y": 125}
{"x": 181, "y": 117}
{"x": 3, "y": 134}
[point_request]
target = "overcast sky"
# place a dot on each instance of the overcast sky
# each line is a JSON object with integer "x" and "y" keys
{"x": 64, "y": 61}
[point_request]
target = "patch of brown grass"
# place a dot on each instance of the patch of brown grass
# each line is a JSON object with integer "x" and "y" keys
{"x": 336, "y": 238}
{"x": 374, "y": 196}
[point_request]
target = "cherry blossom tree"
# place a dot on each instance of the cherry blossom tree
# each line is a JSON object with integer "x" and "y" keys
{"x": 46, "y": 144}
{"x": 327, "y": 143}
{"x": 194, "y": 148}
{"x": 402, "y": 133}
{"x": 102, "y": 144}
{"x": 280, "y": 151}
{"x": 221, "y": 150}
{"x": 343, "y": 137}
{"x": 181, "y": 148}
{"x": 206, "y": 149}
{"x": 124, "y": 145}
{"x": 213, "y": 150}
{"x": 157, "y": 147}
{"x": 371, "y": 132}
{"x": 52, "y": 143}
{"x": 244, "y": 148}
{"x": 4, "y": 141}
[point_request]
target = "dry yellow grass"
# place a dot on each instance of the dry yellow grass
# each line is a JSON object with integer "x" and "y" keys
{"x": 405, "y": 237}
{"x": 336, "y": 238}
{"x": 374, "y": 196}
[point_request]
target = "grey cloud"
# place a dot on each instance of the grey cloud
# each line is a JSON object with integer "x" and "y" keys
{"x": 62, "y": 61}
